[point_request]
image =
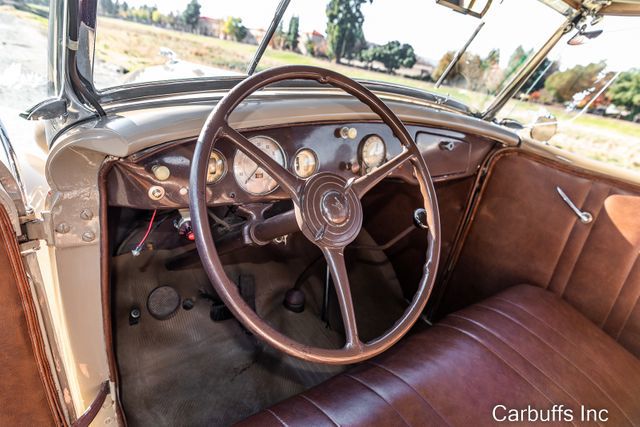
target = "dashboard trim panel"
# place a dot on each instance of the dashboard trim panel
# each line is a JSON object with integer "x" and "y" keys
{"x": 132, "y": 176}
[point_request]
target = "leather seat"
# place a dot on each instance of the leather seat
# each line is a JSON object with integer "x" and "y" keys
{"x": 523, "y": 348}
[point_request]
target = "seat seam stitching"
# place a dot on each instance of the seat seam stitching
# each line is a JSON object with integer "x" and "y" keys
{"x": 624, "y": 282}
{"x": 502, "y": 340}
{"x": 586, "y": 375}
{"x": 308, "y": 399}
{"x": 379, "y": 395}
{"x": 410, "y": 387}
{"x": 277, "y": 417}
{"x": 507, "y": 364}
{"x": 566, "y": 242}
{"x": 626, "y": 320}
{"x": 584, "y": 243}
{"x": 537, "y": 318}
{"x": 550, "y": 327}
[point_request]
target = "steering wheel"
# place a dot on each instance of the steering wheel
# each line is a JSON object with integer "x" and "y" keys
{"x": 328, "y": 211}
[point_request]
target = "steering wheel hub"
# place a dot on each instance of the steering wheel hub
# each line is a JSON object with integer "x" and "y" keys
{"x": 330, "y": 212}
{"x": 335, "y": 207}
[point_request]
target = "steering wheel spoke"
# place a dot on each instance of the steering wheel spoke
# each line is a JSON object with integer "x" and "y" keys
{"x": 362, "y": 185}
{"x": 338, "y": 269}
{"x": 289, "y": 182}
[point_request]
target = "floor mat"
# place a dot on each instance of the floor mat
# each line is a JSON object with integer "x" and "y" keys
{"x": 189, "y": 370}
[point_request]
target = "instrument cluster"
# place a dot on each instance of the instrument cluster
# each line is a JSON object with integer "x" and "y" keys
{"x": 159, "y": 177}
{"x": 250, "y": 177}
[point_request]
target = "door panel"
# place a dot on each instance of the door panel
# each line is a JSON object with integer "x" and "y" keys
{"x": 27, "y": 390}
{"x": 522, "y": 231}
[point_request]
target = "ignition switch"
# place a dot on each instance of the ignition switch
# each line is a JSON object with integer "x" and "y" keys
{"x": 183, "y": 225}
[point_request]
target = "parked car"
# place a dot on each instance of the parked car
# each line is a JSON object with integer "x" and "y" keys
{"x": 299, "y": 247}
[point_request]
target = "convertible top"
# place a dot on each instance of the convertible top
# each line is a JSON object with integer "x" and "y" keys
{"x": 617, "y": 7}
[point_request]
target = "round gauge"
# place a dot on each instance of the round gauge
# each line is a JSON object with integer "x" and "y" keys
{"x": 373, "y": 151}
{"x": 217, "y": 167}
{"x": 250, "y": 176}
{"x": 305, "y": 163}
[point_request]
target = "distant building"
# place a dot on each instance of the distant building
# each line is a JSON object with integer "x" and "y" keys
{"x": 211, "y": 27}
{"x": 254, "y": 35}
{"x": 315, "y": 39}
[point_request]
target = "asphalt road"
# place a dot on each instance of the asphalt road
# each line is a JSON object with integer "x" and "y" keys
{"x": 23, "y": 82}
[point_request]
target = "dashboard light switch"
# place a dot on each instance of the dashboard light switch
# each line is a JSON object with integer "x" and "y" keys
{"x": 161, "y": 172}
{"x": 348, "y": 133}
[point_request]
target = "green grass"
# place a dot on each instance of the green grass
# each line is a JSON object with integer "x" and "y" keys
{"x": 25, "y": 13}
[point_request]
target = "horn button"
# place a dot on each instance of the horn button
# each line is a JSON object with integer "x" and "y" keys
{"x": 330, "y": 212}
{"x": 335, "y": 207}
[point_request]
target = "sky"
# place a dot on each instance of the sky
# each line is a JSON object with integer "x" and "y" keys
{"x": 433, "y": 29}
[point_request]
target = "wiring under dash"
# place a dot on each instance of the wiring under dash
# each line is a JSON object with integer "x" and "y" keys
{"x": 138, "y": 249}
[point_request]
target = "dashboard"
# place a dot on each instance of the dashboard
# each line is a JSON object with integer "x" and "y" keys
{"x": 158, "y": 177}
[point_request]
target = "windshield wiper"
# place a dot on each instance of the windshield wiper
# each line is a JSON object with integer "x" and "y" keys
{"x": 282, "y": 8}
{"x": 459, "y": 54}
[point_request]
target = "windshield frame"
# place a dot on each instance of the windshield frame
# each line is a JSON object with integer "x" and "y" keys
{"x": 82, "y": 88}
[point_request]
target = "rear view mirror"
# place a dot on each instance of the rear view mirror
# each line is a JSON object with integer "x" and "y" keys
{"x": 476, "y": 8}
{"x": 581, "y": 37}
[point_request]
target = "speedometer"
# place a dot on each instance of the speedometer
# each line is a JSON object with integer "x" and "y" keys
{"x": 372, "y": 152}
{"x": 250, "y": 176}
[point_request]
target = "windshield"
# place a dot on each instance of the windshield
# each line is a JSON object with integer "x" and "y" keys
{"x": 405, "y": 42}
{"x": 589, "y": 92}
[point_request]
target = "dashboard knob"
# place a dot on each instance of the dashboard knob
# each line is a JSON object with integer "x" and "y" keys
{"x": 161, "y": 172}
{"x": 348, "y": 133}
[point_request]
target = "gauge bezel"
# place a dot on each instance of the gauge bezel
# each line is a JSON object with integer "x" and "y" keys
{"x": 295, "y": 156}
{"x": 361, "y": 149}
{"x": 225, "y": 167}
{"x": 238, "y": 151}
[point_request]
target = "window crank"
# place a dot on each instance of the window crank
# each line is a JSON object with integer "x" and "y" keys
{"x": 584, "y": 216}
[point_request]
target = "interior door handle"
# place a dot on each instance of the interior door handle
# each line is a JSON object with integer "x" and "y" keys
{"x": 584, "y": 216}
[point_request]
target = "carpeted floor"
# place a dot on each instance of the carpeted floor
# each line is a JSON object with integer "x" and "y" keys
{"x": 191, "y": 371}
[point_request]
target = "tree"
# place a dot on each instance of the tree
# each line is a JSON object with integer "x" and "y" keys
{"x": 565, "y": 84}
{"x": 279, "y": 37}
{"x": 156, "y": 17}
{"x": 234, "y": 29}
{"x": 310, "y": 47}
{"x": 625, "y": 91}
{"x": 536, "y": 81}
{"x": 473, "y": 70}
{"x": 455, "y": 74}
{"x": 107, "y": 7}
{"x": 393, "y": 55}
{"x": 492, "y": 59}
{"x": 191, "y": 14}
{"x": 516, "y": 60}
{"x": 293, "y": 35}
{"x": 344, "y": 28}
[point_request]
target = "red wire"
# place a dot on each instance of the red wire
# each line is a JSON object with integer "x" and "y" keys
{"x": 148, "y": 230}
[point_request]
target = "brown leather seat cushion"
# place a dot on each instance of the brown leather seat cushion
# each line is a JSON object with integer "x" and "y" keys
{"x": 523, "y": 347}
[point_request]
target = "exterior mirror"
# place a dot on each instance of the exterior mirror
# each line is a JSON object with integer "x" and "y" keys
{"x": 475, "y": 8}
{"x": 544, "y": 128}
